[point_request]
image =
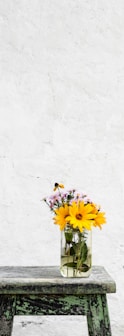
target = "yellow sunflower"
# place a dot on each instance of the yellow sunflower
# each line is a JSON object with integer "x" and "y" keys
{"x": 81, "y": 215}
{"x": 61, "y": 216}
{"x": 100, "y": 219}
{"x": 100, "y": 216}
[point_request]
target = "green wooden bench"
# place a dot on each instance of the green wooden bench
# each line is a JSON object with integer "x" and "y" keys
{"x": 43, "y": 291}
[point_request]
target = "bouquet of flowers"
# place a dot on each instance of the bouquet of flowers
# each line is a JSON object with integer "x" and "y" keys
{"x": 75, "y": 214}
{"x": 74, "y": 208}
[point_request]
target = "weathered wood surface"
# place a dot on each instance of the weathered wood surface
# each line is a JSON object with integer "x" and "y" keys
{"x": 98, "y": 316}
{"x": 48, "y": 280}
{"x": 51, "y": 305}
{"x": 43, "y": 291}
{"x": 7, "y": 311}
{"x": 93, "y": 306}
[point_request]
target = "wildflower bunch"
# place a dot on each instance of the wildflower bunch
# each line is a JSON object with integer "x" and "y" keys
{"x": 75, "y": 209}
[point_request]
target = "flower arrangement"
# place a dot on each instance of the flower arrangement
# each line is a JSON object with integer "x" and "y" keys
{"x": 74, "y": 208}
{"x": 75, "y": 214}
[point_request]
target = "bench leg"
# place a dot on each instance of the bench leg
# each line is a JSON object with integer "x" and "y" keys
{"x": 98, "y": 316}
{"x": 7, "y": 310}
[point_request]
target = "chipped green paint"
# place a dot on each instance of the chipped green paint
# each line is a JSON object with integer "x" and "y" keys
{"x": 42, "y": 291}
{"x": 74, "y": 300}
{"x": 8, "y": 314}
{"x": 7, "y": 311}
{"x": 52, "y": 304}
{"x": 98, "y": 308}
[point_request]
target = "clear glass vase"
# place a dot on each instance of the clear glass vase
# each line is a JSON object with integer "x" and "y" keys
{"x": 76, "y": 252}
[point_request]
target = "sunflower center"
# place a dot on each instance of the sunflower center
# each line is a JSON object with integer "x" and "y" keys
{"x": 79, "y": 216}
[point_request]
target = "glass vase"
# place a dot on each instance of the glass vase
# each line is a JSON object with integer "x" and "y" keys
{"x": 76, "y": 252}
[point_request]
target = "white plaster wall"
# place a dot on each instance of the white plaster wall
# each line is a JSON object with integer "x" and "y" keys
{"x": 61, "y": 119}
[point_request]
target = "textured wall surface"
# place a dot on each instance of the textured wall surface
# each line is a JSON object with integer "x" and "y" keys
{"x": 61, "y": 119}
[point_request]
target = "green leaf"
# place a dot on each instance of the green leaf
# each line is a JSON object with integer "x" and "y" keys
{"x": 83, "y": 252}
{"x": 72, "y": 251}
{"x": 71, "y": 264}
{"x": 84, "y": 268}
{"x": 68, "y": 237}
{"x": 76, "y": 248}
